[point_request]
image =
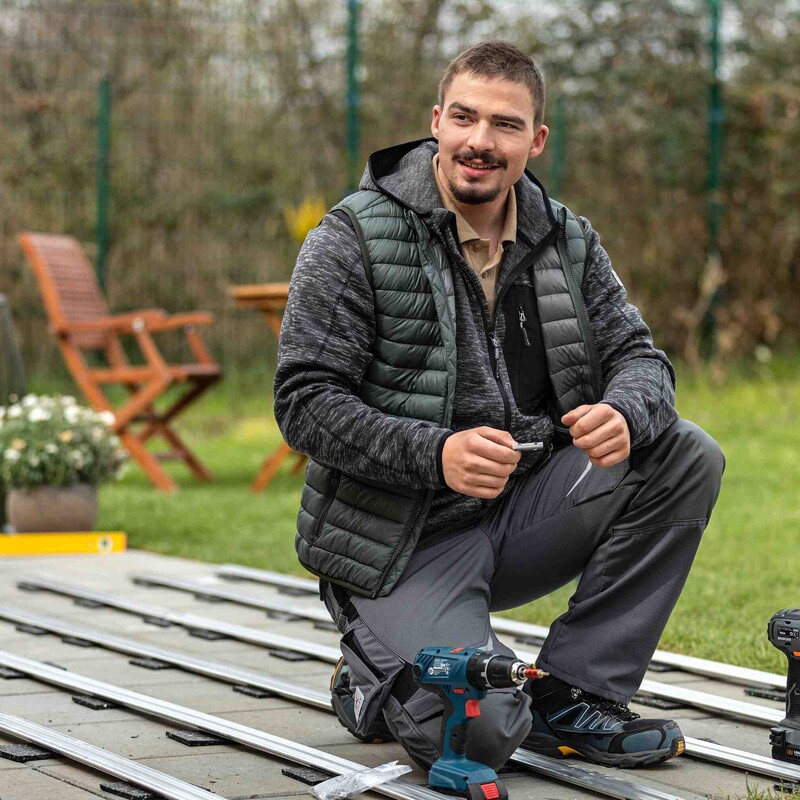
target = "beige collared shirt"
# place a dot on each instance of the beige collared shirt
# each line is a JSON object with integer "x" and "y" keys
{"x": 474, "y": 249}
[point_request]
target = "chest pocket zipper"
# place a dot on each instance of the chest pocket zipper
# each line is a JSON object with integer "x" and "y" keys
{"x": 522, "y": 320}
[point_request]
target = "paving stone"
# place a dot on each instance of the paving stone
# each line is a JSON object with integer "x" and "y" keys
{"x": 236, "y": 773}
{"x": 39, "y": 784}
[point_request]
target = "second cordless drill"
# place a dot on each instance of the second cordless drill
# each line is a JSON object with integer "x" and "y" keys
{"x": 783, "y": 631}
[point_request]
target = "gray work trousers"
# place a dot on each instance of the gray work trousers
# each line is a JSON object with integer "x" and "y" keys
{"x": 630, "y": 531}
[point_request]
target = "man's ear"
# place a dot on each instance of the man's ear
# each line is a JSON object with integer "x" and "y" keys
{"x": 538, "y": 141}
{"x": 437, "y": 116}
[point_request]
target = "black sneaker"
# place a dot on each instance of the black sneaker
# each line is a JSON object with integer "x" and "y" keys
{"x": 568, "y": 721}
{"x": 344, "y": 705}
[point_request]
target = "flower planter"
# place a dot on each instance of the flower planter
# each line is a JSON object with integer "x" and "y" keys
{"x": 52, "y": 508}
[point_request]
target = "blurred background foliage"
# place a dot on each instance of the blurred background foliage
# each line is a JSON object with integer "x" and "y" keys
{"x": 228, "y": 118}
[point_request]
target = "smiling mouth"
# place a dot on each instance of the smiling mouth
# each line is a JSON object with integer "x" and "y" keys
{"x": 478, "y": 165}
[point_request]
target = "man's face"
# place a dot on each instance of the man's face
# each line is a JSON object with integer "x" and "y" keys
{"x": 486, "y": 136}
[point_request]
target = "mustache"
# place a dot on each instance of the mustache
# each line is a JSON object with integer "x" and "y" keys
{"x": 485, "y": 158}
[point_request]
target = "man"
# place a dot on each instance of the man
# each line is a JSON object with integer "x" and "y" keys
{"x": 436, "y": 318}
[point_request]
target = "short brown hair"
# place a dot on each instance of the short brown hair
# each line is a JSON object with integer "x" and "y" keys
{"x": 498, "y": 59}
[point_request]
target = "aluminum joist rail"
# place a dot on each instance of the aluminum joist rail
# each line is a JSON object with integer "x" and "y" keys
{"x": 697, "y": 748}
{"x": 210, "y": 669}
{"x": 751, "y": 712}
{"x": 191, "y": 622}
{"x": 726, "y": 706}
{"x": 101, "y": 760}
{"x": 316, "y": 613}
{"x": 293, "y": 751}
{"x": 566, "y": 773}
{"x": 698, "y": 666}
{"x": 197, "y": 720}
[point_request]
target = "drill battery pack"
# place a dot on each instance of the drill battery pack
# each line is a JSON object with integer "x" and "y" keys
{"x": 785, "y": 744}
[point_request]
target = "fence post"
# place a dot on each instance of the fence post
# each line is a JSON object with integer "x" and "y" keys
{"x": 714, "y": 270}
{"x": 352, "y": 98}
{"x": 558, "y": 148}
{"x": 103, "y": 175}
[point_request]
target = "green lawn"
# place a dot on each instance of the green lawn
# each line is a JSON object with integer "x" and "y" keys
{"x": 748, "y": 563}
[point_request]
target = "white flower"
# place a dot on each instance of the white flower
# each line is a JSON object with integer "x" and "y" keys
{"x": 67, "y": 400}
{"x": 14, "y": 411}
{"x": 108, "y": 417}
{"x": 50, "y": 448}
{"x": 72, "y": 414}
{"x": 39, "y": 415}
{"x": 11, "y": 455}
{"x": 29, "y": 401}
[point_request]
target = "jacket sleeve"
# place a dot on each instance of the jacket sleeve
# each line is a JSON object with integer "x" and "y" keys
{"x": 639, "y": 380}
{"x": 324, "y": 349}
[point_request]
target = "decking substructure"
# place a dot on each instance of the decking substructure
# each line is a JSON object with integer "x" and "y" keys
{"x": 239, "y": 646}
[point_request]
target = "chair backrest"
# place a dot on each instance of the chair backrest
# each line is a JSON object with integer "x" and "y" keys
{"x": 12, "y": 375}
{"x": 68, "y": 284}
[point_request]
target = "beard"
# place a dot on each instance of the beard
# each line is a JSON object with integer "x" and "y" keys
{"x": 474, "y": 194}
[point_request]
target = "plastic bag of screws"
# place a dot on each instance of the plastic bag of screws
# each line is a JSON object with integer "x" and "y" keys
{"x": 353, "y": 783}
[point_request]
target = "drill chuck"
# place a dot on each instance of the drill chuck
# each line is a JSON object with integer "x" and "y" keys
{"x": 487, "y": 671}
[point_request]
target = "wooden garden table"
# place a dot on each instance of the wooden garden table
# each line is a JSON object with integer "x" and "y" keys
{"x": 270, "y": 300}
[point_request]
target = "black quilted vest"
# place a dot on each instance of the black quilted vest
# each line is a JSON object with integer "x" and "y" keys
{"x": 359, "y": 533}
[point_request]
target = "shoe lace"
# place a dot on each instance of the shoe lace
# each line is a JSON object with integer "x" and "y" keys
{"x": 605, "y": 706}
{"x": 616, "y": 709}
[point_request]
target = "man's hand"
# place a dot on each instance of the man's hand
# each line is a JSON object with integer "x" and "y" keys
{"x": 601, "y": 432}
{"x": 477, "y": 462}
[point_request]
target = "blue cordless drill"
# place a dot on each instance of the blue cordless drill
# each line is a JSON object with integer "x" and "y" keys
{"x": 461, "y": 677}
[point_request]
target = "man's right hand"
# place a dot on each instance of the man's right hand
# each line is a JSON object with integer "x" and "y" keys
{"x": 477, "y": 462}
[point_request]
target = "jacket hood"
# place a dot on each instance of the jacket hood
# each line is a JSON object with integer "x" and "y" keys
{"x": 404, "y": 173}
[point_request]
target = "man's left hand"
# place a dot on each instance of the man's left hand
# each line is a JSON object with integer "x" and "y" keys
{"x": 601, "y": 432}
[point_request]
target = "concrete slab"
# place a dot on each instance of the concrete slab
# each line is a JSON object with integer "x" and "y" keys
{"x": 36, "y": 783}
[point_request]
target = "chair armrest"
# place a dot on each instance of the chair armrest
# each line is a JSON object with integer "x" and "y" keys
{"x": 118, "y": 323}
{"x": 182, "y": 321}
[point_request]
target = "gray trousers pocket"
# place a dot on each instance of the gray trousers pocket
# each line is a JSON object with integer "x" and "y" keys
{"x": 373, "y": 670}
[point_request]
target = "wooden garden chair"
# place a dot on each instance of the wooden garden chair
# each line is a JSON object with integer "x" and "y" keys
{"x": 80, "y": 320}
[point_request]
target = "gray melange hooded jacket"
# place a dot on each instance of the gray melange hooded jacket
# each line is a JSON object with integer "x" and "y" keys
{"x": 329, "y": 327}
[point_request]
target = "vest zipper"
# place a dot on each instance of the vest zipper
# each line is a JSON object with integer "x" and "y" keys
{"x": 583, "y": 318}
{"x": 400, "y": 546}
{"x": 522, "y": 320}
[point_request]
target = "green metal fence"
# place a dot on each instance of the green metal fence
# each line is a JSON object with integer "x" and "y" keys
{"x": 170, "y": 136}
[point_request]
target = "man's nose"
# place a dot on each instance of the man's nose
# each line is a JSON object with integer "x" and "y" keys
{"x": 481, "y": 137}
